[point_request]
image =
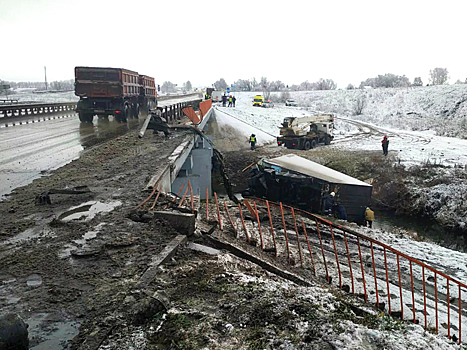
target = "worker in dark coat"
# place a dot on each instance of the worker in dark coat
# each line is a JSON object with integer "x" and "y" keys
{"x": 252, "y": 141}
{"x": 340, "y": 211}
{"x": 224, "y": 100}
{"x": 369, "y": 217}
{"x": 233, "y": 100}
{"x": 385, "y": 145}
{"x": 329, "y": 203}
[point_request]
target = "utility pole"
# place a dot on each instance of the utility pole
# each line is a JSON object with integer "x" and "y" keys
{"x": 45, "y": 72}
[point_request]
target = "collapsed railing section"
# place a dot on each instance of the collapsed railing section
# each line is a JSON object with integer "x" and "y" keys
{"x": 187, "y": 196}
{"x": 403, "y": 286}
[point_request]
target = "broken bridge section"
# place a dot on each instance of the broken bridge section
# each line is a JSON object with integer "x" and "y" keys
{"x": 191, "y": 160}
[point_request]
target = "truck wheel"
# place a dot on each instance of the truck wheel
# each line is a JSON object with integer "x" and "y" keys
{"x": 85, "y": 117}
{"x": 307, "y": 145}
{"x": 126, "y": 114}
{"x": 327, "y": 140}
{"x": 313, "y": 144}
{"x": 136, "y": 111}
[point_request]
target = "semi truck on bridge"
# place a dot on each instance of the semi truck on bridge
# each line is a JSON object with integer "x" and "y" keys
{"x": 113, "y": 91}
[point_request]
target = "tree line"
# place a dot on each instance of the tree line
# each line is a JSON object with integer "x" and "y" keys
{"x": 437, "y": 76}
{"x": 67, "y": 85}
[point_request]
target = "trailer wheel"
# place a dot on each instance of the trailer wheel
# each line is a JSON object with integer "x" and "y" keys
{"x": 85, "y": 117}
{"x": 307, "y": 145}
{"x": 136, "y": 111}
{"x": 126, "y": 114}
{"x": 313, "y": 143}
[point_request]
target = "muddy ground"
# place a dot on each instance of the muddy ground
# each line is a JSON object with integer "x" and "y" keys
{"x": 76, "y": 282}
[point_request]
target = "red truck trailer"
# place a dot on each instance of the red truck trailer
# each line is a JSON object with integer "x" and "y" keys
{"x": 113, "y": 91}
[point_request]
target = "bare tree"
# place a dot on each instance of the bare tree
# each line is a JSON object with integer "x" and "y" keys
{"x": 254, "y": 84}
{"x": 243, "y": 85}
{"x": 350, "y": 87}
{"x": 265, "y": 88}
{"x": 326, "y": 84}
{"x": 220, "y": 84}
{"x": 439, "y": 76}
{"x": 188, "y": 86}
{"x": 360, "y": 105}
{"x": 168, "y": 87}
{"x": 306, "y": 85}
{"x": 417, "y": 82}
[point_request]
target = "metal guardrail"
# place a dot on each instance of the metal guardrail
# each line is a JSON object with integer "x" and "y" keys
{"x": 360, "y": 271}
{"x": 365, "y": 270}
{"x": 19, "y": 110}
{"x": 12, "y": 111}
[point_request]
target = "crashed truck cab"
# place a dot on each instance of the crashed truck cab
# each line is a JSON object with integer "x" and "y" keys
{"x": 301, "y": 183}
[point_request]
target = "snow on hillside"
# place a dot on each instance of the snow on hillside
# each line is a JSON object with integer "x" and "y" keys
{"x": 410, "y": 137}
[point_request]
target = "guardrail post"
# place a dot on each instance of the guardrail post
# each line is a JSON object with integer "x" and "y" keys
{"x": 259, "y": 226}
{"x": 243, "y": 223}
{"x": 363, "y": 272}
{"x": 309, "y": 248}
{"x": 272, "y": 229}
{"x": 337, "y": 258}
{"x": 285, "y": 233}
{"x": 230, "y": 219}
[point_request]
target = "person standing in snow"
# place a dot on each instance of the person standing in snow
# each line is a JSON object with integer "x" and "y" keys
{"x": 224, "y": 100}
{"x": 252, "y": 141}
{"x": 385, "y": 145}
{"x": 230, "y": 101}
{"x": 369, "y": 217}
{"x": 233, "y": 101}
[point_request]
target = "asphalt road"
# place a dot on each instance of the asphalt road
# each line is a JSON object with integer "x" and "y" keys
{"x": 30, "y": 150}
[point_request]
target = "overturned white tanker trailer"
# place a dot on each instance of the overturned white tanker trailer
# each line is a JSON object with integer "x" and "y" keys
{"x": 299, "y": 182}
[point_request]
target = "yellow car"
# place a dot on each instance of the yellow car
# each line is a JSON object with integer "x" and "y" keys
{"x": 258, "y": 101}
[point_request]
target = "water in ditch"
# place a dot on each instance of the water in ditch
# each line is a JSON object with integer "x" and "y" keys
{"x": 425, "y": 228}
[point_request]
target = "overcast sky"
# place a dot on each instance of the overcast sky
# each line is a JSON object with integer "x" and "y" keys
{"x": 202, "y": 41}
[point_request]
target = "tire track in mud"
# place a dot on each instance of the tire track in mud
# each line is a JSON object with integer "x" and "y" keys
{"x": 365, "y": 130}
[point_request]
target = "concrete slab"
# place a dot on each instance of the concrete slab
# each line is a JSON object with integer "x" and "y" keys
{"x": 183, "y": 223}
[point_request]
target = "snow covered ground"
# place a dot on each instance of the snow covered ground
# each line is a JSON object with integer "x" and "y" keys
{"x": 27, "y": 96}
{"x": 384, "y": 117}
{"x": 411, "y": 147}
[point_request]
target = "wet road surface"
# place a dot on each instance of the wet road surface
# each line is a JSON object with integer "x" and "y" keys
{"x": 30, "y": 150}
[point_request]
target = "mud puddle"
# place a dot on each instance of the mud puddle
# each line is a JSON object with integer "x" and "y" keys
{"x": 88, "y": 210}
{"x": 83, "y": 246}
{"x": 50, "y": 331}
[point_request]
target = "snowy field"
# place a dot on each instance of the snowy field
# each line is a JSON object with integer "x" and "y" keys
{"x": 411, "y": 147}
{"x": 27, "y": 96}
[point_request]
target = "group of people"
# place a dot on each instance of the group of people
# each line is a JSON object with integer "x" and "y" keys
{"x": 333, "y": 207}
{"x": 231, "y": 99}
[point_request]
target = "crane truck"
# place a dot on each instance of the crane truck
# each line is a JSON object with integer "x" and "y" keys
{"x": 306, "y": 132}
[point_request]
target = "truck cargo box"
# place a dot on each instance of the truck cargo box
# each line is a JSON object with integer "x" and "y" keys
{"x": 303, "y": 183}
{"x": 106, "y": 82}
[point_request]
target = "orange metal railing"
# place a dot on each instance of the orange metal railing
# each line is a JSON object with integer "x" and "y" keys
{"x": 366, "y": 270}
